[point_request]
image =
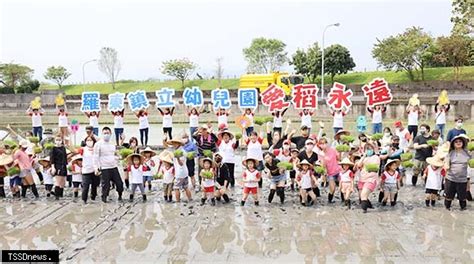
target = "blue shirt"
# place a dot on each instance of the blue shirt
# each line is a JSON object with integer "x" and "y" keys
{"x": 454, "y": 132}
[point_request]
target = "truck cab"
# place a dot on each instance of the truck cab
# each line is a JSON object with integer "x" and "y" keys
{"x": 261, "y": 81}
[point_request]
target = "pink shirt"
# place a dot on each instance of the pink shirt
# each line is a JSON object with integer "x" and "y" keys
{"x": 24, "y": 162}
{"x": 366, "y": 176}
{"x": 330, "y": 161}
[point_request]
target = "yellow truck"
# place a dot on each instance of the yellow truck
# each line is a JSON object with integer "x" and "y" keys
{"x": 261, "y": 81}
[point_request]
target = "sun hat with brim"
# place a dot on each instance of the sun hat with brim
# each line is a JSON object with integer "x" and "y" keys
{"x": 149, "y": 150}
{"x": 205, "y": 126}
{"x": 304, "y": 162}
{"x": 226, "y": 131}
{"x": 341, "y": 132}
{"x": 131, "y": 156}
{"x": 5, "y": 159}
{"x": 244, "y": 162}
{"x": 201, "y": 162}
{"x": 166, "y": 156}
{"x": 309, "y": 141}
{"x": 175, "y": 143}
{"x": 390, "y": 161}
{"x": 435, "y": 161}
{"x": 346, "y": 161}
{"x": 24, "y": 143}
{"x": 463, "y": 137}
{"x": 44, "y": 160}
{"x": 76, "y": 158}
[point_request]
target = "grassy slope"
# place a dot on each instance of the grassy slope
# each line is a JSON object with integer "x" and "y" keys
{"x": 431, "y": 74}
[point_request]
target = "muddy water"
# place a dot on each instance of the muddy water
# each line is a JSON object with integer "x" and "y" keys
{"x": 187, "y": 232}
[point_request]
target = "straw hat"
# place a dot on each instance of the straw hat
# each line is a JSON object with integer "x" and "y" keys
{"x": 304, "y": 162}
{"x": 149, "y": 150}
{"x": 130, "y": 158}
{"x": 226, "y": 131}
{"x": 5, "y": 159}
{"x": 201, "y": 162}
{"x": 176, "y": 143}
{"x": 24, "y": 143}
{"x": 204, "y": 126}
{"x": 166, "y": 156}
{"x": 44, "y": 160}
{"x": 76, "y": 158}
{"x": 390, "y": 161}
{"x": 435, "y": 161}
{"x": 340, "y": 133}
{"x": 244, "y": 162}
{"x": 346, "y": 161}
{"x": 463, "y": 137}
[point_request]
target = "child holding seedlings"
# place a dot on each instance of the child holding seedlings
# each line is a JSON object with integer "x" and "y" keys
{"x": 305, "y": 180}
{"x": 390, "y": 182}
{"x": 76, "y": 169}
{"x": 433, "y": 176}
{"x": 148, "y": 154}
{"x": 346, "y": 185}
{"x": 207, "y": 175}
{"x": 294, "y": 160}
{"x": 166, "y": 170}
{"x": 250, "y": 177}
{"x": 277, "y": 177}
{"x": 135, "y": 169}
{"x": 181, "y": 181}
{"x": 47, "y": 177}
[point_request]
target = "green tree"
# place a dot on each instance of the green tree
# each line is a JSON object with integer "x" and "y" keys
{"x": 265, "y": 55}
{"x": 463, "y": 17}
{"x": 409, "y": 51}
{"x": 455, "y": 51}
{"x": 57, "y": 74}
{"x": 15, "y": 74}
{"x": 109, "y": 64}
{"x": 337, "y": 60}
{"x": 308, "y": 62}
{"x": 181, "y": 69}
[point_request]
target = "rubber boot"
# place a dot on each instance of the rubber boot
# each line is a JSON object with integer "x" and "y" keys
{"x": 24, "y": 188}
{"x": 364, "y": 206}
{"x": 226, "y": 198}
{"x": 144, "y": 197}
{"x": 433, "y": 202}
{"x": 414, "y": 179}
{"x": 61, "y": 192}
{"x": 76, "y": 194}
{"x": 203, "y": 201}
{"x": 34, "y": 190}
{"x": 469, "y": 196}
{"x": 292, "y": 186}
{"x": 395, "y": 197}
{"x": 57, "y": 191}
{"x": 40, "y": 176}
{"x": 330, "y": 197}
{"x": 348, "y": 203}
{"x": 218, "y": 199}
{"x": 281, "y": 192}
{"x": 384, "y": 203}
{"x": 393, "y": 203}
{"x": 165, "y": 198}
{"x": 270, "y": 196}
{"x": 427, "y": 202}
{"x": 463, "y": 205}
{"x": 342, "y": 197}
{"x": 120, "y": 197}
{"x": 317, "y": 192}
{"x": 131, "y": 197}
{"x": 369, "y": 205}
{"x": 2, "y": 192}
{"x": 170, "y": 198}
{"x": 127, "y": 183}
{"x": 213, "y": 201}
{"x": 242, "y": 203}
{"x": 256, "y": 203}
{"x": 381, "y": 195}
{"x": 149, "y": 186}
{"x": 447, "y": 204}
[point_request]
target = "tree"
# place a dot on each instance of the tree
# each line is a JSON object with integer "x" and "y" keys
{"x": 409, "y": 51}
{"x": 337, "y": 60}
{"x": 265, "y": 55}
{"x": 219, "y": 71}
{"x": 181, "y": 69}
{"x": 455, "y": 51}
{"x": 15, "y": 74}
{"x": 57, "y": 74}
{"x": 308, "y": 62}
{"x": 463, "y": 17}
{"x": 109, "y": 64}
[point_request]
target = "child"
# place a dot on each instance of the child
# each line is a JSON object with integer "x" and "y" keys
{"x": 249, "y": 114}
{"x": 148, "y": 153}
{"x": 166, "y": 169}
{"x": 390, "y": 183}
{"x": 433, "y": 176}
{"x": 306, "y": 115}
{"x": 76, "y": 164}
{"x": 118, "y": 124}
{"x": 278, "y": 120}
{"x": 93, "y": 121}
{"x": 143, "y": 126}
{"x": 254, "y": 150}
{"x": 167, "y": 121}
{"x": 181, "y": 181}
{"x": 222, "y": 116}
{"x": 251, "y": 178}
{"x": 305, "y": 180}
{"x": 207, "y": 174}
{"x": 346, "y": 186}
{"x": 294, "y": 159}
{"x": 135, "y": 170}
{"x": 277, "y": 177}
{"x": 361, "y": 124}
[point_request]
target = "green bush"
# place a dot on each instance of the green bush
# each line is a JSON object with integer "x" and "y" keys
{"x": 259, "y": 120}
{"x": 37, "y": 150}
{"x": 347, "y": 139}
{"x": 158, "y": 176}
{"x": 372, "y": 167}
{"x": 406, "y": 156}
{"x": 408, "y": 164}
{"x": 285, "y": 165}
{"x": 10, "y": 143}
{"x": 125, "y": 152}
{"x": 320, "y": 170}
{"x": 343, "y": 148}
{"x": 7, "y": 90}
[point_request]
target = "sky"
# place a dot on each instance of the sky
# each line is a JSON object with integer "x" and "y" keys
{"x": 43, "y": 33}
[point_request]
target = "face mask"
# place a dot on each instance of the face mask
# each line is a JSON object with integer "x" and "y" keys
{"x": 309, "y": 147}
{"x": 106, "y": 137}
{"x": 363, "y": 139}
{"x": 58, "y": 142}
{"x": 370, "y": 152}
{"x": 459, "y": 124}
{"x": 90, "y": 144}
{"x": 387, "y": 134}
{"x": 422, "y": 130}
{"x": 395, "y": 145}
{"x": 286, "y": 147}
{"x": 133, "y": 145}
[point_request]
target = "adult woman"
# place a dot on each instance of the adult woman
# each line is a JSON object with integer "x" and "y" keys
{"x": 143, "y": 126}
{"x": 368, "y": 180}
{"x": 118, "y": 124}
{"x": 23, "y": 161}
{"x": 329, "y": 159}
{"x": 456, "y": 163}
{"x": 89, "y": 178}
{"x": 58, "y": 158}
{"x": 227, "y": 145}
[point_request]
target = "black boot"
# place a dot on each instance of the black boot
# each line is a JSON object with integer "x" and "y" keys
{"x": 395, "y": 197}
{"x": 433, "y": 202}
{"x": 256, "y": 203}
{"x": 149, "y": 186}
{"x": 104, "y": 199}
{"x": 348, "y": 203}
{"x": 213, "y": 201}
{"x": 127, "y": 183}
{"x": 381, "y": 195}
{"x": 165, "y": 198}
{"x": 463, "y": 205}
{"x": 393, "y": 203}
{"x": 61, "y": 192}
{"x": 292, "y": 186}
{"x": 369, "y": 205}
{"x": 317, "y": 192}
{"x": 57, "y": 191}
{"x": 270, "y": 196}
{"x": 170, "y": 198}
{"x": 203, "y": 201}
{"x": 76, "y": 194}
{"x": 131, "y": 197}
{"x": 447, "y": 204}
{"x": 342, "y": 197}
{"x": 384, "y": 203}
{"x": 2, "y": 192}
{"x": 40, "y": 176}
{"x": 34, "y": 190}
{"x": 226, "y": 198}
{"x": 427, "y": 202}
{"x": 363, "y": 205}
{"x": 330, "y": 196}
{"x": 414, "y": 179}
{"x": 144, "y": 197}
{"x": 24, "y": 188}
{"x": 469, "y": 196}
{"x": 120, "y": 197}
{"x": 242, "y": 203}
{"x": 281, "y": 193}
{"x": 218, "y": 199}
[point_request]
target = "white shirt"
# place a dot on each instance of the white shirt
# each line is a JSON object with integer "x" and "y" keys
{"x": 193, "y": 120}
{"x": 136, "y": 174}
{"x": 338, "y": 120}
{"x": 77, "y": 175}
{"x": 391, "y": 179}
{"x": 87, "y": 160}
{"x": 222, "y": 119}
{"x": 250, "y": 117}
{"x": 181, "y": 171}
{"x": 305, "y": 180}
{"x": 167, "y": 120}
{"x": 403, "y": 141}
{"x": 347, "y": 176}
{"x": 277, "y": 121}
{"x": 105, "y": 157}
{"x": 62, "y": 120}
{"x": 227, "y": 151}
{"x": 441, "y": 118}
{"x": 150, "y": 163}
{"x": 377, "y": 116}
{"x": 254, "y": 150}
{"x": 94, "y": 121}
{"x": 118, "y": 121}
{"x": 143, "y": 122}
{"x": 250, "y": 178}
{"x": 413, "y": 118}
{"x": 47, "y": 177}
{"x": 306, "y": 120}
{"x": 36, "y": 120}
{"x": 168, "y": 174}
{"x": 434, "y": 179}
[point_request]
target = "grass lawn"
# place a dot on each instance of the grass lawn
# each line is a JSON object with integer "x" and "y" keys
{"x": 431, "y": 74}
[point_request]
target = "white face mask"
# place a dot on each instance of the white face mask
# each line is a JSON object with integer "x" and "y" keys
{"x": 90, "y": 144}
{"x": 106, "y": 137}
{"x": 309, "y": 147}
{"x": 58, "y": 142}
{"x": 459, "y": 124}
{"x": 286, "y": 147}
